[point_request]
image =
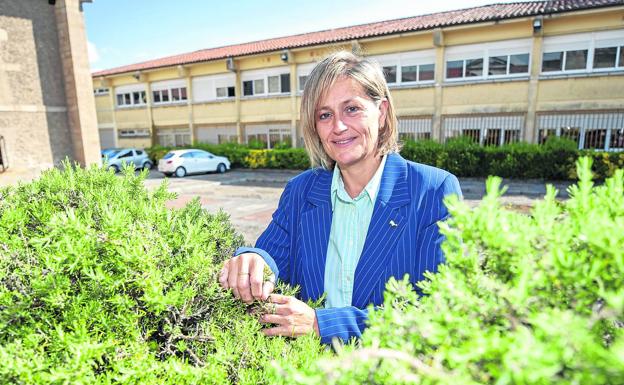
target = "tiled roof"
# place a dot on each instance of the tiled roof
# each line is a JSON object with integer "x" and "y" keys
{"x": 409, "y": 24}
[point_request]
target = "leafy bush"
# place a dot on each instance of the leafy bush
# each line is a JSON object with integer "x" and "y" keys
{"x": 521, "y": 300}
{"x": 101, "y": 284}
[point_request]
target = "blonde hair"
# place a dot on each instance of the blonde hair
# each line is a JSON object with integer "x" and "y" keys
{"x": 365, "y": 72}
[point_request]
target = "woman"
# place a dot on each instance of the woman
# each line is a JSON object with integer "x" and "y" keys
{"x": 362, "y": 215}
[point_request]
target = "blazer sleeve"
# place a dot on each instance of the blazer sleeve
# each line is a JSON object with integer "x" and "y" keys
{"x": 342, "y": 322}
{"x": 429, "y": 239}
{"x": 273, "y": 245}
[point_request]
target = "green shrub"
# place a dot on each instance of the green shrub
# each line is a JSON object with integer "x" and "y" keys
{"x": 521, "y": 300}
{"x": 101, "y": 284}
{"x": 422, "y": 151}
{"x": 462, "y": 157}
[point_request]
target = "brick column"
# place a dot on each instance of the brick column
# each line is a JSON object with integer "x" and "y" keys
{"x": 81, "y": 114}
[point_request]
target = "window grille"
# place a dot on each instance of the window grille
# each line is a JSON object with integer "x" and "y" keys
{"x": 415, "y": 128}
{"x": 487, "y": 130}
{"x": 597, "y": 130}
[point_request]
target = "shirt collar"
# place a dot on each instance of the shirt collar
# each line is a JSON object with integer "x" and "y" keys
{"x": 370, "y": 190}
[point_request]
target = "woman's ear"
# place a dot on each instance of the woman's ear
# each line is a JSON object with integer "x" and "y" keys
{"x": 383, "y": 112}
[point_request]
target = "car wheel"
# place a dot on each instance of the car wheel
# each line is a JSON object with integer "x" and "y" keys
{"x": 221, "y": 168}
{"x": 180, "y": 172}
{"x": 114, "y": 168}
{"x": 147, "y": 166}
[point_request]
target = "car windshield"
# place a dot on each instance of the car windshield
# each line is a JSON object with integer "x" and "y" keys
{"x": 109, "y": 153}
{"x": 169, "y": 155}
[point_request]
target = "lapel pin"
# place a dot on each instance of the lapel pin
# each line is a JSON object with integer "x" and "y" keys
{"x": 393, "y": 223}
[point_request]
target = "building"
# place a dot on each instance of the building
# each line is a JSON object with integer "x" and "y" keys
{"x": 47, "y": 111}
{"x": 499, "y": 73}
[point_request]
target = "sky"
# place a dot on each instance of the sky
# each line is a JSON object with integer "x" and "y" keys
{"x": 123, "y": 32}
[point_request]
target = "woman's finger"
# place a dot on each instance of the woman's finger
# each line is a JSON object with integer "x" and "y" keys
{"x": 279, "y": 299}
{"x": 223, "y": 276}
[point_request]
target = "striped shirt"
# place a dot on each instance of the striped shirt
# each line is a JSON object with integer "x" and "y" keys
{"x": 350, "y": 220}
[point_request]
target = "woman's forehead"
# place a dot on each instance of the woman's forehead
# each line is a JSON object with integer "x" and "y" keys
{"x": 343, "y": 89}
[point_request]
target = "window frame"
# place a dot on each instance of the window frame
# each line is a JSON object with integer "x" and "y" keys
{"x": 169, "y": 88}
{"x": 257, "y": 77}
{"x": 126, "y": 94}
{"x": 591, "y": 42}
{"x": 401, "y": 60}
{"x": 484, "y": 52}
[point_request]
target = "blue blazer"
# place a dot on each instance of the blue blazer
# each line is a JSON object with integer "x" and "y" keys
{"x": 402, "y": 238}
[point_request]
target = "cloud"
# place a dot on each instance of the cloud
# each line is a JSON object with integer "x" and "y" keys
{"x": 94, "y": 55}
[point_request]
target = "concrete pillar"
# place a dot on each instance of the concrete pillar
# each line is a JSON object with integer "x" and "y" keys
{"x": 436, "y": 127}
{"x": 294, "y": 113}
{"x": 237, "y": 100}
{"x": 113, "y": 100}
{"x": 530, "y": 132}
{"x": 81, "y": 113}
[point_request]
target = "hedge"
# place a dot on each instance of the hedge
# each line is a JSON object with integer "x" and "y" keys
{"x": 554, "y": 160}
{"x": 521, "y": 299}
{"x": 100, "y": 283}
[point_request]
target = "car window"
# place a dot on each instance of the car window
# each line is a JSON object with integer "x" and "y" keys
{"x": 187, "y": 155}
{"x": 200, "y": 154}
{"x": 109, "y": 153}
{"x": 169, "y": 155}
{"x": 139, "y": 152}
{"x": 126, "y": 154}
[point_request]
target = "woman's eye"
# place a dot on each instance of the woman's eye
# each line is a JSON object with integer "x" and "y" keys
{"x": 324, "y": 116}
{"x": 352, "y": 109}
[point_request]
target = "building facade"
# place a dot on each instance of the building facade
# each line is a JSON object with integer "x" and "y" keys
{"x": 499, "y": 74}
{"x": 47, "y": 111}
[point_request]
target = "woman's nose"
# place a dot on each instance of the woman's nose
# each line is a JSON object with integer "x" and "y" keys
{"x": 339, "y": 125}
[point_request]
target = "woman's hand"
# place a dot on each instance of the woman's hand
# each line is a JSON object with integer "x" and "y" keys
{"x": 244, "y": 274}
{"x": 293, "y": 317}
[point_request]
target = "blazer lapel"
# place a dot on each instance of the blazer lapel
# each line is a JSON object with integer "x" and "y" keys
{"x": 387, "y": 223}
{"x": 314, "y": 236}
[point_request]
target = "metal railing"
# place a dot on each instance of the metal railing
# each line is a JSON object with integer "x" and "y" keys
{"x": 485, "y": 129}
{"x": 415, "y": 127}
{"x": 590, "y": 130}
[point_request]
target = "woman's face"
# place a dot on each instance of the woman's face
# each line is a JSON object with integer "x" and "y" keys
{"x": 347, "y": 122}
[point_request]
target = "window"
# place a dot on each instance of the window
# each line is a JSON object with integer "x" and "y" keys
{"x": 129, "y": 99}
{"x": 508, "y": 58}
{"x": 508, "y": 64}
{"x": 454, "y": 69}
{"x": 474, "y": 67}
{"x": 390, "y": 73}
{"x": 576, "y": 60}
{"x": 213, "y": 87}
{"x": 134, "y": 133}
{"x": 407, "y": 68}
{"x": 100, "y": 91}
{"x": 564, "y": 60}
{"x": 303, "y": 71}
{"x": 609, "y": 57}
{"x": 169, "y": 95}
{"x": 302, "y": 81}
{"x": 279, "y": 84}
{"x": 266, "y": 82}
{"x": 226, "y": 92}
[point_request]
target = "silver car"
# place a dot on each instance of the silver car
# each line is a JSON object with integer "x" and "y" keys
{"x": 183, "y": 162}
{"x": 116, "y": 158}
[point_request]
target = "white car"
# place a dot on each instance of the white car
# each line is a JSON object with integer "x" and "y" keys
{"x": 183, "y": 162}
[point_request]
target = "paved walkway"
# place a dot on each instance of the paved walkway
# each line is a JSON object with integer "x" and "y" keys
{"x": 251, "y": 196}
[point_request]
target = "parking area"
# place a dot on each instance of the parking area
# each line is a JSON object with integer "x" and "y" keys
{"x": 251, "y": 196}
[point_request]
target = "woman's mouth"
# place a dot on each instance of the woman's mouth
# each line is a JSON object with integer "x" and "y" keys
{"x": 343, "y": 142}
